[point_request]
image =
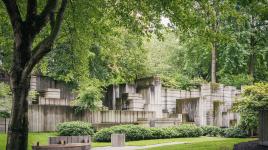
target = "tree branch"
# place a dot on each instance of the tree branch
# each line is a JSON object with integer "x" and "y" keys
{"x": 44, "y": 46}
{"x": 31, "y": 12}
{"x": 14, "y": 13}
{"x": 43, "y": 18}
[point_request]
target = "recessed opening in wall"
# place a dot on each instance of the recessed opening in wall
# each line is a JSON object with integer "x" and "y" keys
{"x": 188, "y": 108}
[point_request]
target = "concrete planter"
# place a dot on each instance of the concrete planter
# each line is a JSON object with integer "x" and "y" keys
{"x": 69, "y": 139}
{"x": 66, "y": 143}
{"x": 77, "y": 146}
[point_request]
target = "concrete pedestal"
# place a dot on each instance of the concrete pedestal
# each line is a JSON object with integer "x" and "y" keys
{"x": 263, "y": 127}
{"x": 118, "y": 140}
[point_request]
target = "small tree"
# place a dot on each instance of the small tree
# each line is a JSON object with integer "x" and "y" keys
{"x": 254, "y": 98}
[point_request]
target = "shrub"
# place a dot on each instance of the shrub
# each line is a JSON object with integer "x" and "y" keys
{"x": 134, "y": 132}
{"x": 211, "y": 131}
{"x": 74, "y": 128}
{"x": 234, "y": 132}
{"x": 187, "y": 130}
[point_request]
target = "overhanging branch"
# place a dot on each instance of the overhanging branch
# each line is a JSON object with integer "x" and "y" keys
{"x": 45, "y": 45}
{"x": 14, "y": 13}
{"x": 43, "y": 18}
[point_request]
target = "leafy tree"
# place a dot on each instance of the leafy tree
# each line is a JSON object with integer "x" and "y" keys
{"x": 90, "y": 94}
{"x": 254, "y": 98}
{"x": 33, "y": 39}
{"x": 254, "y": 32}
{"x": 206, "y": 20}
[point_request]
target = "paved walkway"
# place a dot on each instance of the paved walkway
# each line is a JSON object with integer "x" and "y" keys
{"x": 136, "y": 147}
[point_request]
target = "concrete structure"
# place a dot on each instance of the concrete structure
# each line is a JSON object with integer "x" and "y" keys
{"x": 208, "y": 105}
{"x": 69, "y": 139}
{"x": 50, "y": 91}
{"x": 118, "y": 140}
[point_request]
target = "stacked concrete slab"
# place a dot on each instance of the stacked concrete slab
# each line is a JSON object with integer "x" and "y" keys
{"x": 208, "y": 105}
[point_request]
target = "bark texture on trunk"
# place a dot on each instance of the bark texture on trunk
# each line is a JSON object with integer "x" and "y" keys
{"x": 251, "y": 65}
{"x": 213, "y": 64}
{"x": 253, "y": 42}
{"x": 18, "y": 129}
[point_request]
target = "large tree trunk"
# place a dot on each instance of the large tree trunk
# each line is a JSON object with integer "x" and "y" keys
{"x": 25, "y": 58}
{"x": 18, "y": 129}
{"x": 213, "y": 64}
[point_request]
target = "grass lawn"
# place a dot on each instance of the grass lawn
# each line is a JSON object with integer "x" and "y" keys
{"x": 203, "y": 143}
{"x": 217, "y": 144}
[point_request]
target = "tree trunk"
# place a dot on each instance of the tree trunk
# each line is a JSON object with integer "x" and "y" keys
{"x": 25, "y": 58}
{"x": 213, "y": 64}
{"x": 252, "y": 57}
{"x": 18, "y": 129}
{"x": 251, "y": 65}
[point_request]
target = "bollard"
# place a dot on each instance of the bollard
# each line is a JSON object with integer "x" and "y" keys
{"x": 118, "y": 140}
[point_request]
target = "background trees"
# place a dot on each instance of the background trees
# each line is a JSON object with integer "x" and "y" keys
{"x": 102, "y": 42}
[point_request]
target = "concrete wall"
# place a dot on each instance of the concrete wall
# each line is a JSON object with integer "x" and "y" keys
{"x": 46, "y": 118}
{"x": 213, "y": 105}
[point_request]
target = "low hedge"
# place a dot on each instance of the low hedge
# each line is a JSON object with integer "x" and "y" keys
{"x": 234, "y": 132}
{"x": 134, "y": 132}
{"x": 74, "y": 128}
{"x": 211, "y": 131}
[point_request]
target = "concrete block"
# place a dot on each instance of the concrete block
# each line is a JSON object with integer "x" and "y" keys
{"x": 118, "y": 140}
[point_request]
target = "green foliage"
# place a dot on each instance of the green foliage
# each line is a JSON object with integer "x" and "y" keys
{"x": 236, "y": 80}
{"x": 5, "y": 100}
{"x": 248, "y": 121}
{"x": 180, "y": 81}
{"x": 211, "y": 131}
{"x": 89, "y": 96}
{"x": 134, "y": 132}
{"x": 74, "y": 128}
{"x": 4, "y": 90}
{"x": 234, "y": 132}
{"x": 254, "y": 98}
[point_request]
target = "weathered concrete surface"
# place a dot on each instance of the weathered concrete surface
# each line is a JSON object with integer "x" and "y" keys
{"x": 118, "y": 140}
{"x": 69, "y": 139}
{"x": 77, "y": 146}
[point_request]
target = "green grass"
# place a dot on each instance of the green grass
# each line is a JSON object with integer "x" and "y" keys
{"x": 202, "y": 143}
{"x": 217, "y": 144}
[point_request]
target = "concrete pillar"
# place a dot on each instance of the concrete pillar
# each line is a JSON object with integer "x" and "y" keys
{"x": 118, "y": 140}
{"x": 263, "y": 127}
